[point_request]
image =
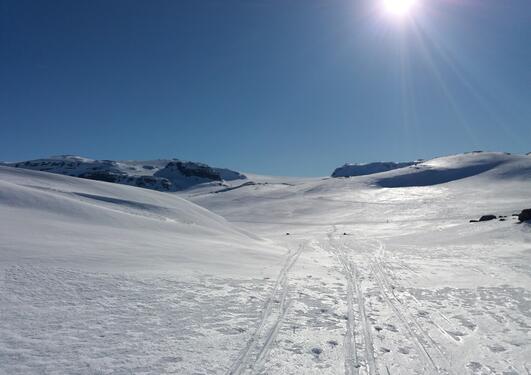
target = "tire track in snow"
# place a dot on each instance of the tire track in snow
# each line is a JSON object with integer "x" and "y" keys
{"x": 248, "y": 361}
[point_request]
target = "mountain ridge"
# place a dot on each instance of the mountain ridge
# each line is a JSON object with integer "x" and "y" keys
{"x": 160, "y": 175}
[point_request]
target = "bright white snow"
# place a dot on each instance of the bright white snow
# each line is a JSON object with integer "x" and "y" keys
{"x": 380, "y": 274}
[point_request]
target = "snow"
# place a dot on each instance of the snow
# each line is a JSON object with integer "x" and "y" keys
{"x": 456, "y": 167}
{"x": 105, "y": 278}
{"x": 413, "y": 287}
{"x": 161, "y": 175}
{"x": 100, "y": 226}
{"x": 350, "y": 170}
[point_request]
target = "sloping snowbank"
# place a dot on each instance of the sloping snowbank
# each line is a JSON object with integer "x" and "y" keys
{"x": 65, "y": 221}
{"x": 456, "y": 167}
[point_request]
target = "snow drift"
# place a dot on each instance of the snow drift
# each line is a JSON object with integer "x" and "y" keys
{"x": 48, "y": 218}
{"x": 456, "y": 167}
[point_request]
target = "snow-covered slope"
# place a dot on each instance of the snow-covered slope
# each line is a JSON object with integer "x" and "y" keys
{"x": 100, "y": 278}
{"x": 162, "y": 175}
{"x": 350, "y": 170}
{"x": 397, "y": 280}
{"x": 59, "y": 220}
{"x": 382, "y": 274}
{"x": 456, "y": 167}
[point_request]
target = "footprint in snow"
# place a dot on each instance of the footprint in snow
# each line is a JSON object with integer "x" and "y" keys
{"x": 403, "y": 350}
{"x": 332, "y": 343}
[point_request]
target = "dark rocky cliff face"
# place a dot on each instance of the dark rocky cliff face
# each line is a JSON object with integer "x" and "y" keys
{"x": 188, "y": 169}
{"x": 162, "y": 175}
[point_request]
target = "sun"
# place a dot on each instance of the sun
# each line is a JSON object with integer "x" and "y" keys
{"x": 399, "y": 8}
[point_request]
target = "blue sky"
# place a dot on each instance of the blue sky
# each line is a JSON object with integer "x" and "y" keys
{"x": 286, "y": 87}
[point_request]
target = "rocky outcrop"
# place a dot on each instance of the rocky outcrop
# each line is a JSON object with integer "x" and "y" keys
{"x": 162, "y": 175}
{"x": 487, "y": 217}
{"x": 525, "y": 215}
{"x": 188, "y": 169}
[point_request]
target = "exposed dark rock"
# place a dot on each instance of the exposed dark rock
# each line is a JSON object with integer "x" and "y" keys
{"x": 487, "y": 217}
{"x": 189, "y": 169}
{"x": 525, "y": 215}
{"x": 162, "y": 175}
{"x": 101, "y": 176}
{"x": 249, "y": 183}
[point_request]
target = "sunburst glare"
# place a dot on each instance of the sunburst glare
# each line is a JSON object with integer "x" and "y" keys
{"x": 399, "y": 8}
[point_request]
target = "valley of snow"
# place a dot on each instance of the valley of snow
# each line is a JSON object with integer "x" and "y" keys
{"x": 376, "y": 274}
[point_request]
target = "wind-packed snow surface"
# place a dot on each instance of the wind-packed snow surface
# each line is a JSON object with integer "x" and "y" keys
{"x": 377, "y": 274}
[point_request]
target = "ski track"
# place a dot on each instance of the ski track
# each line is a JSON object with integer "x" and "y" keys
{"x": 351, "y": 274}
{"x": 430, "y": 354}
{"x": 427, "y": 360}
{"x": 352, "y": 364}
{"x": 378, "y": 268}
{"x": 351, "y": 357}
{"x": 369, "y": 347}
{"x": 247, "y": 362}
{"x": 408, "y": 321}
{"x": 381, "y": 261}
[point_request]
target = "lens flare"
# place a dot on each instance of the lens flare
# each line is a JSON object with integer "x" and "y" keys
{"x": 399, "y": 8}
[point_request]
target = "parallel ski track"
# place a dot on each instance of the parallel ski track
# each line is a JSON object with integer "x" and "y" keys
{"x": 352, "y": 364}
{"x": 405, "y": 317}
{"x": 350, "y": 273}
{"x": 247, "y": 362}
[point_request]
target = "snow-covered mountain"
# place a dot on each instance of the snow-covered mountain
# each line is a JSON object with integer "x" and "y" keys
{"x": 457, "y": 167}
{"x": 437, "y": 171}
{"x": 350, "y": 170}
{"x": 374, "y": 274}
{"x": 161, "y": 175}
